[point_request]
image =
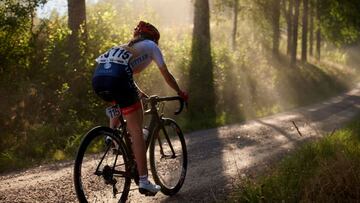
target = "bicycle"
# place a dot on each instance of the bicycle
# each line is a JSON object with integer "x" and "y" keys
{"x": 105, "y": 161}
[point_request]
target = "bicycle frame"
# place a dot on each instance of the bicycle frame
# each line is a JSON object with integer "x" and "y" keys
{"x": 121, "y": 136}
{"x": 155, "y": 124}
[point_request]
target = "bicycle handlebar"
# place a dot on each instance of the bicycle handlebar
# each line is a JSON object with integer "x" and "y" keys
{"x": 155, "y": 99}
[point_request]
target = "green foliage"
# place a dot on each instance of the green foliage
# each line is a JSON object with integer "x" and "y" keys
{"x": 326, "y": 170}
{"x": 49, "y": 103}
{"x": 340, "y": 21}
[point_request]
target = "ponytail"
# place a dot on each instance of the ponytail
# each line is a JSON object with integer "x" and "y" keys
{"x": 135, "y": 40}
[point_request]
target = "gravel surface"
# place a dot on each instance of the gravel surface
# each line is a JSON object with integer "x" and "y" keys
{"x": 218, "y": 158}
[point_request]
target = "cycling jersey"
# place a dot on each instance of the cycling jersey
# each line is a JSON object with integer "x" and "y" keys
{"x": 112, "y": 62}
{"x": 148, "y": 51}
{"x": 113, "y": 80}
{"x": 113, "y": 77}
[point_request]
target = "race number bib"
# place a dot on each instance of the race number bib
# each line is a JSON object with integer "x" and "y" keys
{"x": 113, "y": 112}
{"x": 117, "y": 55}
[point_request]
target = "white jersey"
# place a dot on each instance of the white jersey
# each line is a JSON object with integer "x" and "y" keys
{"x": 148, "y": 51}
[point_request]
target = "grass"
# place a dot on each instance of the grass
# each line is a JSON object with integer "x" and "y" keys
{"x": 324, "y": 171}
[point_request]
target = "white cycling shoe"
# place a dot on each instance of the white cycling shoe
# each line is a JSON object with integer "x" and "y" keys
{"x": 114, "y": 146}
{"x": 148, "y": 189}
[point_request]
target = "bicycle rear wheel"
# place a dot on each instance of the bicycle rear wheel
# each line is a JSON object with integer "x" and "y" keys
{"x": 100, "y": 173}
{"x": 168, "y": 158}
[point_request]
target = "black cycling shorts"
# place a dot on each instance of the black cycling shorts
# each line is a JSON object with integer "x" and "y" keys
{"x": 120, "y": 88}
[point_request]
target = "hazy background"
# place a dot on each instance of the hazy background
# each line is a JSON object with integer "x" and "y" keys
{"x": 47, "y": 103}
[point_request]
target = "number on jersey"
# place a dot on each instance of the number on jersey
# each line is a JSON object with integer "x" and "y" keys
{"x": 117, "y": 55}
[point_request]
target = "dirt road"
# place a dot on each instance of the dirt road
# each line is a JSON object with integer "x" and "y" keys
{"x": 217, "y": 157}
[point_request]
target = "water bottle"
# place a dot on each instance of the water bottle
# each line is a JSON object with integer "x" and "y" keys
{"x": 145, "y": 133}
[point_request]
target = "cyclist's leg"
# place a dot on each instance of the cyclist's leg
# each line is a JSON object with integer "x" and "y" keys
{"x": 134, "y": 121}
{"x": 134, "y": 124}
{"x": 125, "y": 93}
{"x": 114, "y": 122}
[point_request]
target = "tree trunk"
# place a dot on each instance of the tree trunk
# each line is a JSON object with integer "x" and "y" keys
{"x": 311, "y": 48}
{"x": 318, "y": 31}
{"x": 295, "y": 33}
{"x": 76, "y": 19}
{"x": 276, "y": 26}
{"x": 235, "y": 20}
{"x": 318, "y": 44}
{"x": 304, "y": 31}
{"x": 201, "y": 82}
{"x": 77, "y": 15}
{"x": 77, "y": 25}
{"x": 289, "y": 21}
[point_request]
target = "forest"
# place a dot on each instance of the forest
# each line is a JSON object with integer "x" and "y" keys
{"x": 238, "y": 59}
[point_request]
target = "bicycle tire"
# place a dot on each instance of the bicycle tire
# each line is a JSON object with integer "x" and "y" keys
{"x": 93, "y": 135}
{"x": 177, "y": 141}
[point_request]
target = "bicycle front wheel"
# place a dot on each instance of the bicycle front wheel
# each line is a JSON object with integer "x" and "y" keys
{"x": 100, "y": 173}
{"x": 168, "y": 157}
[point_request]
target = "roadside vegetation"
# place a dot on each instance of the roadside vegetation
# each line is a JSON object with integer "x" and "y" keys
{"x": 47, "y": 102}
{"x": 324, "y": 171}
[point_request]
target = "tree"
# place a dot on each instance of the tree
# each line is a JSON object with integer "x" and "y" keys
{"x": 235, "y": 21}
{"x": 201, "y": 89}
{"x": 276, "y": 26}
{"x": 289, "y": 20}
{"x": 76, "y": 22}
{"x": 311, "y": 39}
{"x": 76, "y": 15}
{"x": 267, "y": 13}
{"x": 77, "y": 48}
{"x": 304, "y": 31}
{"x": 295, "y": 33}
{"x": 318, "y": 32}
{"x": 339, "y": 21}
{"x": 234, "y": 7}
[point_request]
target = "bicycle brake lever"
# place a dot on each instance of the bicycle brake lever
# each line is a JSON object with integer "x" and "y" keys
{"x": 181, "y": 101}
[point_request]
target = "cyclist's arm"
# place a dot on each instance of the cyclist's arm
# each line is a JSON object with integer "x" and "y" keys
{"x": 140, "y": 92}
{"x": 169, "y": 78}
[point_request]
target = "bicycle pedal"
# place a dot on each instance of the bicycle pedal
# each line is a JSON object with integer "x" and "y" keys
{"x": 146, "y": 192}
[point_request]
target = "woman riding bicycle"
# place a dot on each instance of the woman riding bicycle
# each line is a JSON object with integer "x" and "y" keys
{"x": 113, "y": 82}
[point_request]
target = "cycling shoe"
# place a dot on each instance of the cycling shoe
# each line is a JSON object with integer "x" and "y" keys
{"x": 108, "y": 140}
{"x": 148, "y": 189}
{"x": 114, "y": 146}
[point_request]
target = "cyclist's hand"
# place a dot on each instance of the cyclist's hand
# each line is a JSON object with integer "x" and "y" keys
{"x": 184, "y": 95}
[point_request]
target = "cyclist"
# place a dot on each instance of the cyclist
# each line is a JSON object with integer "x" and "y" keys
{"x": 113, "y": 82}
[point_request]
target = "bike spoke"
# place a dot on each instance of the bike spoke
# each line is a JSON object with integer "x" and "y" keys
{"x": 168, "y": 159}
{"x": 103, "y": 174}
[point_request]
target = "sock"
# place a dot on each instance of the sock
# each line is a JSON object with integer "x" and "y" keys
{"x": 144, "y": 179}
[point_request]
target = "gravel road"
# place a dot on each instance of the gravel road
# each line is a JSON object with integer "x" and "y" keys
{"x": 218, "y": 158}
